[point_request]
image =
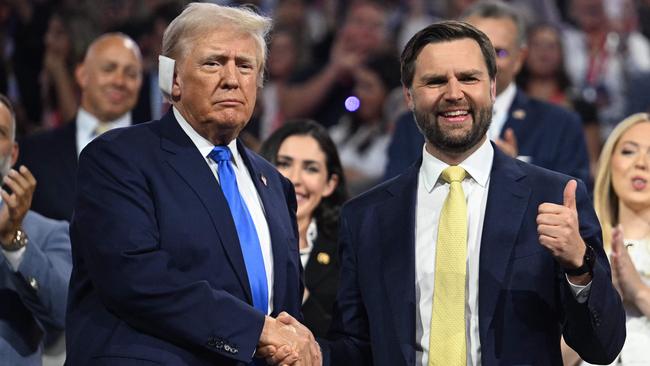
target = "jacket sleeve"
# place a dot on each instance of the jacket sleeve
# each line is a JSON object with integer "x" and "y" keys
{"x": 596, "y": 328}
{"x": 42, "y": 277}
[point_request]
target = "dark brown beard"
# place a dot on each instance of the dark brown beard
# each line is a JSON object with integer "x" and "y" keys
{"x": 429, "y": 127}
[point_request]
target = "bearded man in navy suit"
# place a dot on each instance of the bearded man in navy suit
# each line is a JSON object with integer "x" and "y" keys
{"x": 184, "y": 241}
{"x": 530, "y": 265}
{"x": 531, "y": 130}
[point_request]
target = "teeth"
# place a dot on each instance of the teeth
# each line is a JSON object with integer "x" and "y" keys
{"x": 455, "y": 113}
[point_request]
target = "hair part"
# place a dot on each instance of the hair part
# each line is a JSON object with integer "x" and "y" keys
{"x": 605, "y": 199}
{"x": 446, "y": 31}
{"x": 499, "y": 10}
{"x": 4, "y": 100}
{"x": 198, "y": 18}
{"x": 327, "y": 212}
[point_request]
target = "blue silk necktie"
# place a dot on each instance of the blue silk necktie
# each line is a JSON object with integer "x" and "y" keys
{"x": 248, "y": 239}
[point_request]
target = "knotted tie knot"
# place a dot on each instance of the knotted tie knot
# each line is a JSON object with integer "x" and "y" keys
{"x": 220, "y": 154}
{"x": 453, "y": 173}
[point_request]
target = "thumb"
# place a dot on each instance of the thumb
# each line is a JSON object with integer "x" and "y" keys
{"x": 570, "y": 194}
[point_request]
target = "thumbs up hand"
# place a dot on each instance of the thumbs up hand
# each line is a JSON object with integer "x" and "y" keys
{"x": 559, "y": 229}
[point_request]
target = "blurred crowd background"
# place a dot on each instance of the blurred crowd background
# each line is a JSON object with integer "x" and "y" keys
{"x": 336, "y": 62}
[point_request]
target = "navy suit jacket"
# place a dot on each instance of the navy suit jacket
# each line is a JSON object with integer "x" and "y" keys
{"x": 33, "y": 298}
{"x": 158, "y": 275}
{"x": 525, "y": 302}
{"x": 550, "y": 135}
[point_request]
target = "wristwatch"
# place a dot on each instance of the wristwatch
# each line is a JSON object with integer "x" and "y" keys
{"x": 587, "y": 263}
{"x": 19, "y": 241}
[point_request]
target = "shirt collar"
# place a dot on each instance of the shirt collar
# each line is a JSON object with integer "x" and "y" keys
{"x": 478, "y": 166}
{"x": 87, "y": 123}
{"x": 204, "y": 145}
{"x": 504, "y": 100}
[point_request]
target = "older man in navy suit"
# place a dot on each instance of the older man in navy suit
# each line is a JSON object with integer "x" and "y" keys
{"x": 184, "y": 242}
{"x": 470, "y": 257}
{"x": 531, "y": 130}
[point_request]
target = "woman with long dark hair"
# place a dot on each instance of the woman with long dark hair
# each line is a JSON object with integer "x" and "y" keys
{"x": 304, "y": 153}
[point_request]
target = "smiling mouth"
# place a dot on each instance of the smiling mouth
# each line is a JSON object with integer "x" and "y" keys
{"x": 455, "y": 116}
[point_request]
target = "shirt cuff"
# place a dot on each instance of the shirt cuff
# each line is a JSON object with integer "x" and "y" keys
{"x": 15, "y": 258}
{"x": 580, "y": 292}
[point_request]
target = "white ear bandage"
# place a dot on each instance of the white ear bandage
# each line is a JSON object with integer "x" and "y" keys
{"x": 166, "y": 75}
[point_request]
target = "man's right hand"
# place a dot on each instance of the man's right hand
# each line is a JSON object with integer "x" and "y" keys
{"x": 284, "y": 341}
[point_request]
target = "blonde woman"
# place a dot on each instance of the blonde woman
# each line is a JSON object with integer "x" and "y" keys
{"x": 622, "y": 202}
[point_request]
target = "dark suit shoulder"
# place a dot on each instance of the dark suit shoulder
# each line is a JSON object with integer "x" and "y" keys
{"x": 395, "y": 186}
{"x": 50, "y": 140}
{"x": 552, "y": 114}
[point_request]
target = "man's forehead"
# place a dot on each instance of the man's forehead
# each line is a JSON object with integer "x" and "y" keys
{"x": 450, "y": 54}
{"x": 113, "y": 48}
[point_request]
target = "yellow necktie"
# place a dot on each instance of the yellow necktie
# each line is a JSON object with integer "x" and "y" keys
{"x": 101, "y": 128}
{"x": 447, "y": 342}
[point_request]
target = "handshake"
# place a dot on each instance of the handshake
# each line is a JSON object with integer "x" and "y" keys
{"x": 284, "y": 341}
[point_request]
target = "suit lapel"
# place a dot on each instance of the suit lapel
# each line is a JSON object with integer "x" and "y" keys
{"x": 186, "y": 160}
{"x": 279, "y": 239}
{"x": 396, "y": 227}
{"x": 315, "y": 271}
{"x": 517, "y": 116}
{"x": 506, "y": 206}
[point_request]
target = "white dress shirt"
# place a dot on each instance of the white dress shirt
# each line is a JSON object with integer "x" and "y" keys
{"x": 431, "y": 194}
{"x": 500, "y": 111}
{"x": 87, "y": 124}
{"x": 247, "y": 191}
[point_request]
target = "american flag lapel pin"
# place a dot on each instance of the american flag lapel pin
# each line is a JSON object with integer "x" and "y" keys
{"x": 519, "y": 114}
{"x": 263, "y": 179}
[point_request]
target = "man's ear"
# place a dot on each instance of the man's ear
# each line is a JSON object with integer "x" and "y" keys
{"x": 522, "y": 54}
{"x": 80, "y": 75}
{"x": 408, "y": 96}
{"x": 176, "y": 86}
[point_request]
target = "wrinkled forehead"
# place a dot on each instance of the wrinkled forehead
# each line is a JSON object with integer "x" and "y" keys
{"x": 217, "y": 36}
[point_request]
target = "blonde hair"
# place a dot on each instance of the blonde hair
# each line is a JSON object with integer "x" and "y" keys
{"x": 198, "y": 18}
{"x": 605, "y": 199}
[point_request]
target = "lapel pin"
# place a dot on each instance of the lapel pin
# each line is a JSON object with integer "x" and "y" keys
{"x": 323, "y": 258}
{"x": 263, "y": 179}
{"x": 519, "y": 114}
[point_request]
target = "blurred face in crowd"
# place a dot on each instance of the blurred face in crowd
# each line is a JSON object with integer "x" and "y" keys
{"x": 631, "y": 167}
{"x": 370, "y": 90}
{"x": 282, "y": 55}
{"x": 544, "y": 52}
{"x": 303, "y": 162}
{"x": 57, "y": 39}
{"x": 589, "y": 14}
{"x": 8, "y": 147}
{"x": 110, "y": 77}
{"x": 365, "y": 28}
{"x": 502, "y": 32}
{"x": 216, "y": 82}
{"x": 452, "y": 96}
